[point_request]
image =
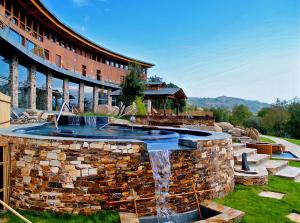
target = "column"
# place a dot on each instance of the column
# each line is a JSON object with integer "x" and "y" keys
{"x": 95, "y": 98}
{"x": 81, "y": 96}
{"x": 149, "y": 106}
{"x": 109, "y": 98}
{"x": 32, "y": 87}
{"x": 14, "y": 83}
{"x": 49, "y": 78}
{"x": 66, "y": 92}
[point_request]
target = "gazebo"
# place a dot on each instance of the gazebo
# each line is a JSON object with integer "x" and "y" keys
{"x": 159, "y": 91}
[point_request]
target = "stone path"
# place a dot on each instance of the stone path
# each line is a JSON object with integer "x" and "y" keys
{"x": 271, "y": 194}
{"x": 294, "y": 217}
{"x": 293, "y": 148}
{"x": 262, "y": 162}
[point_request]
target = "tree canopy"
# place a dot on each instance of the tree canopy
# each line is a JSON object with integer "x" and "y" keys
{"x": 133, "y": 86}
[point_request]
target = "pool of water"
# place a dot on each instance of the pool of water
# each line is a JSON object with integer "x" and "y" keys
{"x": 287, "y": 155}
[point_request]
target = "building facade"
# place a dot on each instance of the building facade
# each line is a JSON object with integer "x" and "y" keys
{"x": 44, "y": 62}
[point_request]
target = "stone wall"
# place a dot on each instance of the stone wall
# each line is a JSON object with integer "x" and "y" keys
{"x": 84, "y": 177}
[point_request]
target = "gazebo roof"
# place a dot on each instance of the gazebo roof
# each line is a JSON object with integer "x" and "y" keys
{"x": 176, "y": 93}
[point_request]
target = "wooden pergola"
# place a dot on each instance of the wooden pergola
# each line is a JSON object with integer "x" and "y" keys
{"x": 176, "y": 94}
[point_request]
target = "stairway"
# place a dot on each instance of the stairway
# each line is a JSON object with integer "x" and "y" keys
{"x": 278, "y": 168}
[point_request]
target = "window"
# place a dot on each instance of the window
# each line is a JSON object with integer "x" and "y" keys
{"x": 58, "y": 60}
{"x": 47, "y": 56}
{"x": 84, "y": 70}
{"x": 99, "y": 75}
{"x": 30, "y": 45}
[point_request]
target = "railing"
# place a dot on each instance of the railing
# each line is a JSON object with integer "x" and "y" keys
{"x": 14, "y": 212}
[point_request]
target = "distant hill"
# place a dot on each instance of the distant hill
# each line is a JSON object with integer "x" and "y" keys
{"x": 226, "y": 102}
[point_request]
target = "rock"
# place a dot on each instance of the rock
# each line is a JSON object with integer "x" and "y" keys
{"x": 226, "y": 126}
{"x": 236, "y": 131}
{"x": 31, "y": 112}
{"x": 131, "y": 110}
{"x": 107, "y": 110}
{"x": 252, "y": 133}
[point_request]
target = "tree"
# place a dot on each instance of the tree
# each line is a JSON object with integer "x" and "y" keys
{"x": 155, "y": 79}
{"x": 240, "y": 114}
{"x": 293, "y": 124}
{"x": 140, "y": 106}
{"x": 275, "y": 120}
{"x": 220, "y": 114}
{"x": 132, "y": 87}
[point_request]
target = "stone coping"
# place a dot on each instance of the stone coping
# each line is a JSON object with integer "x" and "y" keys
{"x": 227, "y": 214}
{"x": 186, "y": 142}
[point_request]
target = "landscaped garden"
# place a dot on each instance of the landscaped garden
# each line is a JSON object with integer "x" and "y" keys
{"x": 261, "y": 209}
{"x": 47, "y": 217}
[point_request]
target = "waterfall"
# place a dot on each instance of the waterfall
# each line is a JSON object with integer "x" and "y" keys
{"x": 74, "y": 120}
{"x": 90, "y": 121}
{"x": 161, "y": 167}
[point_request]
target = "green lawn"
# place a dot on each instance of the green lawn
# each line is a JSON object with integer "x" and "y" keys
{"x": 47, "y": 217}
{"x": 267, "y": 210}
{"x": 264, "y": 139}
{"x": 295, "y": 141}
{"x": 294, "y": 163}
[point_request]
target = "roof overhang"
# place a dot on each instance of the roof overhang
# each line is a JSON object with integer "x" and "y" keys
{"x": 37, "y": 8}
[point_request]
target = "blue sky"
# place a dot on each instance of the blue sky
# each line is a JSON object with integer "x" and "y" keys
{"x": 241, "y": 48}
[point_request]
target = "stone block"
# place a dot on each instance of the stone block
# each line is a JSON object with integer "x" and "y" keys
{"x": 52, "y": 155}
{"x": 93, "y": 171}
{"x": 55, "y": 163}
{"x": 44, "y": 162}
{"x": 54, "y": 169}
{"x": 20, "y": 163}
{"x": 61, "y": 156}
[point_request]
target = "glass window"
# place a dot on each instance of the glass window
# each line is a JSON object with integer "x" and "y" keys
{"x": 74, "y": 94}
{"x": 58, "y": 60}
{"x": 47, "y": 55}
{"x": 30, "y": 45}
{"x": 41, "y": 91}
{"x": 15, "y": 36}
{"x": 23, "y": 91}
{"x": 57, "y": 95}
{"x": 88, "y": 98}
{"x": 4, "y": 76}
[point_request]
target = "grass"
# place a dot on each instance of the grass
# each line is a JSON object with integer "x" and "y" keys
{"x": 265, "y": 139}
{"x": 294, "y": 163}
{"x": 295, "y": 141}
{"x": 260, "y": 209}
{"x": 48, "y": 217}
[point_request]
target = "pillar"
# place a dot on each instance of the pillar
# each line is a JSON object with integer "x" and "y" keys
{"x": 49, "y": 78}
{"x": 149, "y": 106}
{"x": 66, "y": 92}
{"x": 81, "y": 96}
{"x": 109, "y": 98}
{"x": 32, "y": 87}
{"x": 95, "y": 98}
{"x": 14, "y": 83}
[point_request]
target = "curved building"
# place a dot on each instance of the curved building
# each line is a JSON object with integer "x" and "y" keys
{"x": 44, "y": 62}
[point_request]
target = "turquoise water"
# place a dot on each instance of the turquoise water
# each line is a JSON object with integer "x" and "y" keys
{"x": 284, "y": 155}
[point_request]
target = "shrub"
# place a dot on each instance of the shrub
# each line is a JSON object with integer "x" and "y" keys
{"x": 141, "y": 108}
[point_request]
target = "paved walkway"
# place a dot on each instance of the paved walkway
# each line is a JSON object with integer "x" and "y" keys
{"x": 293, "y": 148}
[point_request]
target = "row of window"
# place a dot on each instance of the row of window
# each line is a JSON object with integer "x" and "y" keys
{"x": 35, "y": 29}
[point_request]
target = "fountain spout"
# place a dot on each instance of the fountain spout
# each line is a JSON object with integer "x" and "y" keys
{"x": 59, "y": 114}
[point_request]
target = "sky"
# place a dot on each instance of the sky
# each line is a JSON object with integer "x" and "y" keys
{"x": 241, "y": 48}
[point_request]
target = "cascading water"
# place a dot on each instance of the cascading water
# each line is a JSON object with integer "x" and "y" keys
{"x": 161, "y": 167}
{"x": 90, "y": 121}
{"x": 74, "y": 120}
